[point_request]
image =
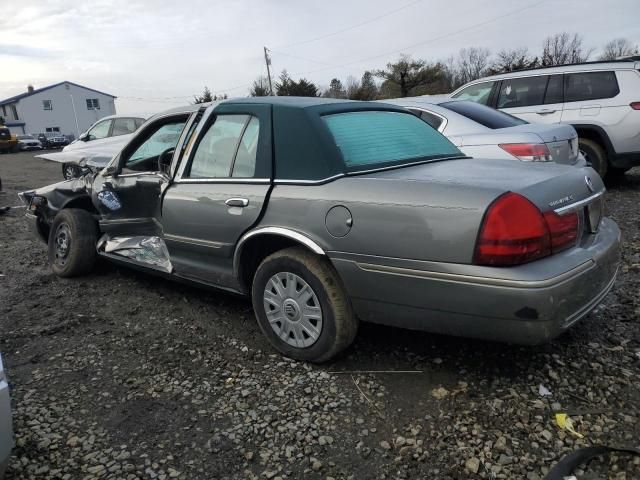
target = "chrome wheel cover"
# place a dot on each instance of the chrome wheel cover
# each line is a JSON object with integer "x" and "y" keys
{"x": 293, "y": 310}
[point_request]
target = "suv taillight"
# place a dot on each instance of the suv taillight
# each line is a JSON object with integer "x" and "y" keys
{"x": 514, "y": 231}
{"x": 528, "y": 152}
{"x": 635, "y": 105}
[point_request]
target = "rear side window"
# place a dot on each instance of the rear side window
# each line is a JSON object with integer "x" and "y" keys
{"x": 479, "y": 93}
{"x": 522, "y": 92}
{"x": 554, "y": 90}
{"x": 590, "y": 86}
{"x": 432, "y": 119}
{"x": 123, "y": 126}
{"x": 483, "y": 115}
{"x": 227, "y": 149}
{"x": 378, "y": 138}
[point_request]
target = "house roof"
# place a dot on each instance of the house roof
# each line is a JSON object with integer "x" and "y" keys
{"x": 38, "y": 90}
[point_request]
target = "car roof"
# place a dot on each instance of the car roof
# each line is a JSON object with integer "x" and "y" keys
{"x": 121, "y": 115}
{"x": 574, "y": 67}
{"x": 421, "y": 100}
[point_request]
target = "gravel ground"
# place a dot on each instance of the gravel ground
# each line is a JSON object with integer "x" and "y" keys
{"x": 125, "y": 375}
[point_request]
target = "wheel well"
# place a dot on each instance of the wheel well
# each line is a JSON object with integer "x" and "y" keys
{"x": 255, "y": 250}
{"x": 595, "y": 136}
{"x": 83, "y": 203}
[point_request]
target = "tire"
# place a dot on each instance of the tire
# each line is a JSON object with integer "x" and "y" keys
{"x": 69, "y": 171}
{"x": 595, "y": 155}
{"x": 618, "y": 172}
{"x": 72, "y": 243}
{"x": 337, "y": 325}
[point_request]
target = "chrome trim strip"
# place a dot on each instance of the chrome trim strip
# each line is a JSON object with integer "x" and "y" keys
{"x": 145, "y": 174}
{"x": 581, "y": 203}
{"x": 471, "y": 279}
{"x": 194, "y": 241}
{"x": 309, "y": 182}
{"x": 128, "y": 220}
{"x": 223, "y": 180}
{"x": 285, "y": 232}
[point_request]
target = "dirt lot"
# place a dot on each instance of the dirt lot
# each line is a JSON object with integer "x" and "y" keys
{"x": 124, "y": 375}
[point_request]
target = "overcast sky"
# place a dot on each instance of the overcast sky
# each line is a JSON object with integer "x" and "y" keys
{"x": 155, "y": 54}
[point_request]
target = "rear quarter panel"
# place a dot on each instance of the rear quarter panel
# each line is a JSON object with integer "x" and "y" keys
{"x": 391, "y": 217}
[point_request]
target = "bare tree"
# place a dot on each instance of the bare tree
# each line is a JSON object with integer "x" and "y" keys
{"x": 619, "y": 47}
{"x": 472, "y": 64}
{"x": 260, "y": 87}
{"x": 563, "y": 48}
{"x": 408, "y": 74}
{"x": 353, "y": 87}
{"x": 512, "y": 60}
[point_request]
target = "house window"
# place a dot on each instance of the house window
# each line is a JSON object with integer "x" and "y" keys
{"x": 4, "y": 110}
{"x": 93, "y": 104}
{"x": 14, "y": 110}
{"x": 52, "y": 129}
{"x": 47, "y": 104}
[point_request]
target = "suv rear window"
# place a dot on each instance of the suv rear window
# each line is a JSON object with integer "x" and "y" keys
{"x": 382, "y": 138}
{"x": 522, "y": 92}
{"x": 590, "y": 86}
{"x": 483, "y": 115}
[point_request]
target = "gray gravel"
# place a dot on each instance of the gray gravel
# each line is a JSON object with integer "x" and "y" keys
{"x": 121, "y": 375}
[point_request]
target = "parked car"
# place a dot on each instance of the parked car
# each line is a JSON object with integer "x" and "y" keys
{"x": 6, "y": 431}
{"x": 601, "y": 100}
{"x": 106, "y": 128}
{"x": 483, "y": 132}
{"x": 28, "y": 142}
{"x": 52, "y": 140}
{"x": 327, "y": 212}
{"x": 108, "y": 133}
{"x": 8, "y": 141}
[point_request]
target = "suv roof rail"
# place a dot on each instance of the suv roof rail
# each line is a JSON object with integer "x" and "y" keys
{"x": 628, "y": 59}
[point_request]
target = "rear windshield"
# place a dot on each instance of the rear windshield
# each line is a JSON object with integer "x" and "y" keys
{"x": 374, "y": 139}
{"x": 483, "y": 115}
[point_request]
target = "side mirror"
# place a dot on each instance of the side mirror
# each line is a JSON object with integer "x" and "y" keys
{"x": 84, "y": 137}
{"x": 110, "y": 170}
{"x": 164, "y": 160}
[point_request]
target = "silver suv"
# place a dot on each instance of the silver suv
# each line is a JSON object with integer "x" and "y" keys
{"x": 601, "y": 100}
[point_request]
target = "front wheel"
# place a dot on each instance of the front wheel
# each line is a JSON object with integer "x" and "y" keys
{"x": 301, "y": 306}
{"x": 72, "y": 243}
{"x": 69, "y": 171}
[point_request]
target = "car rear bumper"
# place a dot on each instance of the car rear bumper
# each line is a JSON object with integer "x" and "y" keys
{"x": 527, "y": 304}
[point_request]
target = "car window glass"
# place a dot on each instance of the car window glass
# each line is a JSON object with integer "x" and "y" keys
{"x": 381, "y": 138}
{"x": 478, "y": 93}
{"x": 164, "y": 138}
{"x": 487, "y": 116}
{"x": 590, "y": 86}
{"x": 433, "y": 120}
{"x": 522, "y": 92}
{"x": 101, "y": 130}
{"x": 123, "y": 126}
{"x": 245, "y": 163}
{"x": 215, "y": 152}
{"x": 554, "y": 90}
{"x": 139, "y": 122}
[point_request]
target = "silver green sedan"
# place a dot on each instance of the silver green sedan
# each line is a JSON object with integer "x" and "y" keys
{"x": 328, "y": 212}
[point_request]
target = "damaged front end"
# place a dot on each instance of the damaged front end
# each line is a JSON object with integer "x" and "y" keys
{"x": 43, "y": 204}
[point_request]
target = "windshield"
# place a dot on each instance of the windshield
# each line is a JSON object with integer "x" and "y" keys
{"x": 374, "y": 139}
{"x": 483, "y": 115}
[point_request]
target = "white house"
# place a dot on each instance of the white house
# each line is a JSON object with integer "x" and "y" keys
{"x": 64, "y": 107}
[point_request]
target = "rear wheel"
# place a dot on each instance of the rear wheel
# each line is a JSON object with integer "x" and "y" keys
{"x": 301, "y": 306}
{"x": 595, "y": 155}
{"x": 72, "y": 243}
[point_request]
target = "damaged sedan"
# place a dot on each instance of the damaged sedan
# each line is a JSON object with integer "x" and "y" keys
{"x": 330, "y": 212}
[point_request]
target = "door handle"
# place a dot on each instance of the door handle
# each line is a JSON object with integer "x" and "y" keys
{"x": 237, "y": 202}
{"x": 545, "y": 112}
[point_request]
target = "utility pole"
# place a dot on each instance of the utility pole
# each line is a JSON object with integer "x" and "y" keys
{"x": 267, "y": 60}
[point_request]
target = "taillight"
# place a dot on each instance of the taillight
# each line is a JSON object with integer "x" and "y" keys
{"x": 514, "y": 231}
{"x": 528, "y": 152}
{"x": 563, "y": 230}
{"x": 635, "y": 105}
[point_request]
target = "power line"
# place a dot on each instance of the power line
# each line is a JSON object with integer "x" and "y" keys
{"x": 346, "y": 29}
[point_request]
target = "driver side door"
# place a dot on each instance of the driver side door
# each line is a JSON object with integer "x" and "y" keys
{"x": 128, "y": 193}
